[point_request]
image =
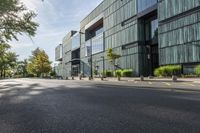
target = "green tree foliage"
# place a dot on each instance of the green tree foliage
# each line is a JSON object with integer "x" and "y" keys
{"x": 15, "y": 19}
{"x": 39, "y": 63}
{"x": 112, "y": 57}
{"x": 197, "y": 70}
{"x": 7, "y": 60}
{"x": 21, "y": 69}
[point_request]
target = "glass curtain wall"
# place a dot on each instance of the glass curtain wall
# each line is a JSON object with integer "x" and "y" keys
{"x": 170, "y": 8}
{"x": 144, "y": 4}
{"x": 75, "y": 41}
{"x": 179, "y": 39}
{"x": 97, "y": 45}
{"x": 151, "y": 30}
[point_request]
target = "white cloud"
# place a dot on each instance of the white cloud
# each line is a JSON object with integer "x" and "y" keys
{"x": 56, "y": 19}
{"x": 32, "y": 4}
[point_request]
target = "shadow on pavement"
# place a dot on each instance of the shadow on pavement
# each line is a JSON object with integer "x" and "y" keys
{"x": 97, "y": 108}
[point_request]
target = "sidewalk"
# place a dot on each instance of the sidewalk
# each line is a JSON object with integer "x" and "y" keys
{"x": 192, "y": 80}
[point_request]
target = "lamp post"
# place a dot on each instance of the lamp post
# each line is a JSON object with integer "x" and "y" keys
{"x": 91, "y": 70}
{"x": 103, "y": 66}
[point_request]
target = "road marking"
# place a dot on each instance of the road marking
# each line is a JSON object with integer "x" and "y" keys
{"x": 189, "y": 84}
{"x": 135, "y": 82}
{"x": 150, "y": 83}
{"x": 168, "y": 84}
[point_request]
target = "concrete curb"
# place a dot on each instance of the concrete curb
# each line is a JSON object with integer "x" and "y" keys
{"x": 145, "y": 80}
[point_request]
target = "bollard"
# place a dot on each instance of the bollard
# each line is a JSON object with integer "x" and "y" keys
{"x": 89, "y": 78}
{"x": 118, "y": 78}
{"x": 150, "y": 77}
{"x": 141, "y": 78}
{"x": 174, "y": 78}
{"x": 80, "y": 77}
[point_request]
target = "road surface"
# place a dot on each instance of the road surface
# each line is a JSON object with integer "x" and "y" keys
{"x": 57, "y": 106}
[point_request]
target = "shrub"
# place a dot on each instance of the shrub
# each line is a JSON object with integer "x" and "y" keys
{"x": 18, "y": 76}
{"x": 107, "y": 73}
{"x": 127, "y": 73}
{"x": 118, "y": 73}
{"x": 95, "y": 72}
{"x": 197, "y": 70}
{"x": 167, "y": 71}
{"x": 189, "y": 76}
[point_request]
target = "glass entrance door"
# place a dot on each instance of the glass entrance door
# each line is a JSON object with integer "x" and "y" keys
{"x": 151, "y": 42}
{"x": 154, "y": 58}
{"x": 75, "y": 70}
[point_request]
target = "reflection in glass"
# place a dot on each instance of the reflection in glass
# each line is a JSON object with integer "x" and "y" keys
{"x": 76, "y": 41}
{"x": 151, "y": 30}
{"x": 144, "y": 4}
{"x": 154, "y": 28}
{"x": 97, "y": 45}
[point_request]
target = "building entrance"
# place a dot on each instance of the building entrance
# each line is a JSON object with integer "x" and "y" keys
{"x": 149, "y": 39}
{"x": 153, "y": 59}
{"x": 75, "y": 70}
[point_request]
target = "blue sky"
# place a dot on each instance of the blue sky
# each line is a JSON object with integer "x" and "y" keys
{"x": 56, "y": 19}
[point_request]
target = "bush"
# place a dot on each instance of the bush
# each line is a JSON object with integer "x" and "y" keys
{"x": 167, "y": 71}
{"x": 118, "y": 73}
{"x": 95, "y": 72}
{"x": 189, "y": 76}
{"x": 121, "y": 73}
{"x": 197, "y": 70}
{"x": 127, "y": 73}
{"x": 30, "y": 75}
{"x": 107, "y": 73}
{"x": 18, "y": 76}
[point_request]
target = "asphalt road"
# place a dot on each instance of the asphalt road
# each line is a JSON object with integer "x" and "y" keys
{"x": 53, "y": 106}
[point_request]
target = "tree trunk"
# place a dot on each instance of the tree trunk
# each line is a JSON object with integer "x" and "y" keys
{"x": 1, "y": 74}
{"x": 4, "y": 73}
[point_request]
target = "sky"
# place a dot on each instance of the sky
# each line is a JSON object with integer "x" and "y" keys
{"x": 56, "y": 18}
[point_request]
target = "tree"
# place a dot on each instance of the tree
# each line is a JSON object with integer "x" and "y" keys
{"x": 112, "y": 57}
{"x": 21, "y": 68}
{"x": 39, "y": 63}
{"x": 7, "y": 60}
{"x": 15, "y": 19}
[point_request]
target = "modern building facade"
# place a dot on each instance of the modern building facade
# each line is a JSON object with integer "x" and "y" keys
{"x": 146, "y": 33}
{"x": 65, "y": 54}
{"x": 179, "y": 33}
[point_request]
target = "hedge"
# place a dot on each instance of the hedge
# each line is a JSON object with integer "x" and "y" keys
{"x": 197, "y": 70}
{"x": 118, "y": 73}
{"x": 167, "y": 71}
{"x": 107, "y": 73}
{"x": 121, "y": 73}
{"x": 127, "y": 73}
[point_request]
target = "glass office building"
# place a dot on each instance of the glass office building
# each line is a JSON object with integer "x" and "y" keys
{"x": 146, "y": 33}
{"x": 145, "y": 4}
{"x": 179, "y": 33}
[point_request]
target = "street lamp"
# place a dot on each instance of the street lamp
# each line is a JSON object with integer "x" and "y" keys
{"x": 91, "y": 71}
{"x": 103, "y": 66}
